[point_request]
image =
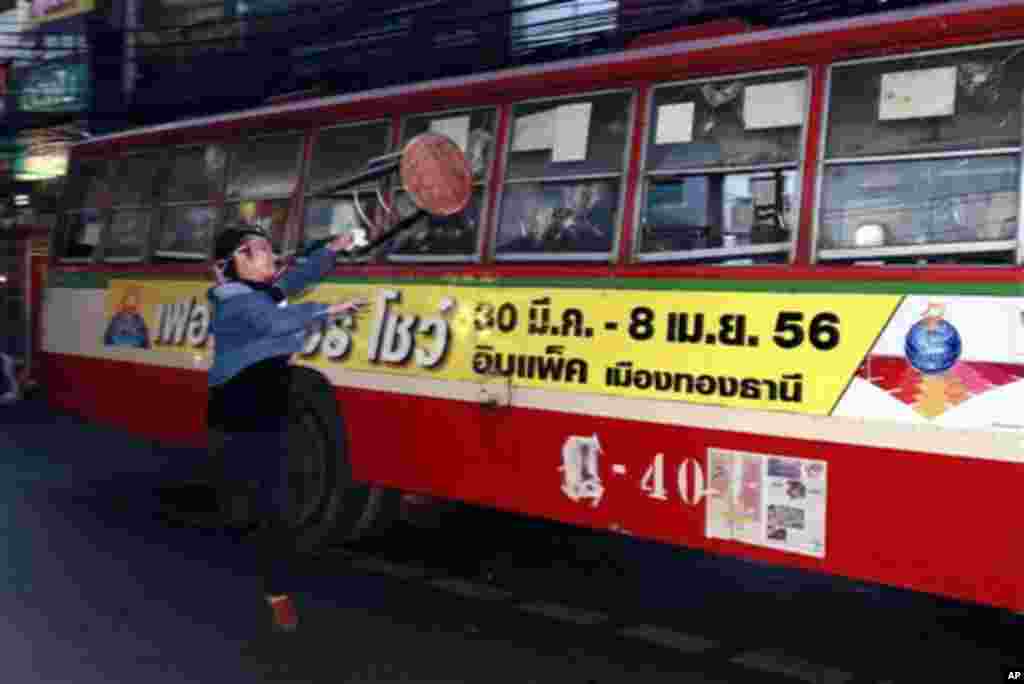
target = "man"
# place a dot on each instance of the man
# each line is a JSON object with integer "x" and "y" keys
{"x": 256, "y": 333}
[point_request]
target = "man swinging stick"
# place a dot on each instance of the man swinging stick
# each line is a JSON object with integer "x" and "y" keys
{"x": 256, "y": 332}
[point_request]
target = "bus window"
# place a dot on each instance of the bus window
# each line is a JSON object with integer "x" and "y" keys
{"x": 133, "y": 194}
{"x": 86, "y": 200}
{"x": 262, "y": 176}
{"x": 456, "y": 237}
{"x": 188, "y": 213}
{"x": 339, "y": 152}
{"x": 326, "y": 217}
{"x": 564, "y": 180}
{"x": 922, "y": 162}
{"x": 185, "y": 232}
{"x": 721, "y": 170}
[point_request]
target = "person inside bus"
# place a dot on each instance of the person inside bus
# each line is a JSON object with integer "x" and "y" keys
{"x": 255, "y": 333}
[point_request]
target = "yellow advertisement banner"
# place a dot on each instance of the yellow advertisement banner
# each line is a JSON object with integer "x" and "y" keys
{"x": 789, "y": 352}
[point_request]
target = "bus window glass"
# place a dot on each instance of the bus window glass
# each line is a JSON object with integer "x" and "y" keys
{"x": 86, "y": 200}
{"x": 443, "y": 236}
{"x": 559, "y": 218}
{"x": 453, "y": 236}
{"x": 265, "y": 167}
{"x": 196, "y": 174}
{"x": 919, "y": 203}
{"x": 327, "y": 217}
{"x": 126, "y": 241}
{"x": 269, "y": 215}
{"x": 721, "y": 163}
{"x": 718, "y": 211}
{"x": 734, "y": 122}
{"x": 87, "y": 184}
{"x": 562, "y": 193}
{"x": 82, "y": 232}
{"x": 185, "y": 231}
{"x": 472, "y": 131}
{"x": 135, "y": 179}
{"x": 344, "y": 150}
{"x": 565, "y": 138}
{"x": 934, "y": 103}
{"x": 133, "y": 189}
{"x": 338, "y": 153}
{"x": 188, "y": 215}
{"x": 922, "y": 160}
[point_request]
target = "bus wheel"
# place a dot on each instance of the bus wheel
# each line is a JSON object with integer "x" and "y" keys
{"x": 327, "y": 505}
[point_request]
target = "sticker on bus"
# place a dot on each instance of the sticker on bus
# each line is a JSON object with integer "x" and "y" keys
{"x": 771, "y": 501}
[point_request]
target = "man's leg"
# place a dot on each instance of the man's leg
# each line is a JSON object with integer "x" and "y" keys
{"x": 275, "y": 540}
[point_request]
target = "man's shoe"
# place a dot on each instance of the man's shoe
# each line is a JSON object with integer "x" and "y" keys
{"x": 285, "y": 617}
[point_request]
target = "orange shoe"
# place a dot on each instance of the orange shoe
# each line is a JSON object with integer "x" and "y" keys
{"x": 286, "y": 618}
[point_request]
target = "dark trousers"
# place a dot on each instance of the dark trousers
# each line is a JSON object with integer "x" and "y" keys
{"x": 255, "y": 464}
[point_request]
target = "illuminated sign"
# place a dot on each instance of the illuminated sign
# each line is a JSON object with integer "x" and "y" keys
{"x": 41, "y": 167}
{"x": 58, "y": 87}
{"x": 50, "y": 10}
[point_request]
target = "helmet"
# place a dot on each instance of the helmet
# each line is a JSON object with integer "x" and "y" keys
{"x": 231, "y": 238}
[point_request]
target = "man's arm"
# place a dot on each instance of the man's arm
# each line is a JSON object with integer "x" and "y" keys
{"x": 260, "y": 315}
{"x": 319, "y": 263}
{"x": 313, "y": 270}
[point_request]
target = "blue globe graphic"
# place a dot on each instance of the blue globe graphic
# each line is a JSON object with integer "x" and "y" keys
{"x": 933, "y": 351}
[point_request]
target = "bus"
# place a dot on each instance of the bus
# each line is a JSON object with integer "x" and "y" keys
{"x": 753, "y": 292}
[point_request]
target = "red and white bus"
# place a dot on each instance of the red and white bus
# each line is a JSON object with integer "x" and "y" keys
{"x": 757, "y": 292}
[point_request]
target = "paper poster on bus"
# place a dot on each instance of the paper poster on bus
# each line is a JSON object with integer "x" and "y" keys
{"x": 771, "y": 501}
{"x": 917, "y": 94}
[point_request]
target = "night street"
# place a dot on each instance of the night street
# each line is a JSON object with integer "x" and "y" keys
{"x": 577, "y": 342}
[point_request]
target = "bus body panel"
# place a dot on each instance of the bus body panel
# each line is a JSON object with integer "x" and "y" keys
{"x": 930, "y": 523}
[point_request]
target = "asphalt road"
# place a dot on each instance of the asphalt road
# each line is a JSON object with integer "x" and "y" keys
{"x": 100, "y": 588}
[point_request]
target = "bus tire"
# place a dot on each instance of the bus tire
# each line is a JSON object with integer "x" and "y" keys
{"x": 328, "y": 506}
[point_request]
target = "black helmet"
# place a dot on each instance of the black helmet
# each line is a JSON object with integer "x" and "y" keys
{"x": 231, "y": 238}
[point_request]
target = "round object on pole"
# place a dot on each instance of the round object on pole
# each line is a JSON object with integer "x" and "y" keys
{"x": 436, "y": 174}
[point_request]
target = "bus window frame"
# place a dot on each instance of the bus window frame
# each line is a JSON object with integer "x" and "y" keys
{"x": 104, "y": 214}
{"x": 153, "y": 208}
{"x": 309, "y": 192}
{"x": 288, "y": 243}
{"x": 622, "y": 176}
{"x": 57, "y": 247}
{"x": 483, "y": 185}
{"x": 876, "y": 256}
{"x": 796, "y": 165}
{"x": 184, "y": 258}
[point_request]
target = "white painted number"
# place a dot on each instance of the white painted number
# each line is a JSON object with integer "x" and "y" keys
{"x": 694, "y": 497}
{"x": 653, "y": 481}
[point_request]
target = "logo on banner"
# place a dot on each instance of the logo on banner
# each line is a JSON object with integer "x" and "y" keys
{"x": 933, "y": 378}
{"x": 932, "y": 344}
